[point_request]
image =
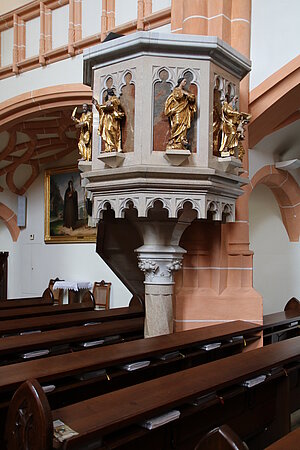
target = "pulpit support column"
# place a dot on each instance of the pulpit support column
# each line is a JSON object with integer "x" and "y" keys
{"x": 159, "y": 258}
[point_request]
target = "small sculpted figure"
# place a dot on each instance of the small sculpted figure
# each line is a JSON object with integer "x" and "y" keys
{"x": 85, "y": 124}
{"x": 232, "y": 128}
{"x": 110, "y": 116}
{"x": 180, "y": 107}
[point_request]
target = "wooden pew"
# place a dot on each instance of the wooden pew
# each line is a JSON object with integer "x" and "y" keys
{"x": 50, "y": 322}
{"x": 260, "y": 414}
{"x": 282, "y": 325}
{"x": 71, "y": 373}
{"x": 13, "y": 348}
{"x": 87, "y": 304}
{"x": 46, "y": 299}
{"x": 59, "y": 368}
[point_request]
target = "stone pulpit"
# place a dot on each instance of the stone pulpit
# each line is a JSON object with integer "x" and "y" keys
{"x": 166, "y": 151}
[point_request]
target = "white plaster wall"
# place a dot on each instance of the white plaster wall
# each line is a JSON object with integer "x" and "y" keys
{"x": 276, "y": 259}
{"x": 125, "y": 11}
{"x": 60, "y": 25}
{"x": 62, "y": 72}
{"x": 91, "y": 17}
{"x": 7, "y": 42}
{"x": 275, "y": 36}
{"x": 32, "y": 37}
{"x": 157, "y": 5}
{"x": 259, "y": 159}
{"x": 33, "y": 263}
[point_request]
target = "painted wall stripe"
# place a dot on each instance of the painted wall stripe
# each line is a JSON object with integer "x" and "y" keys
{"x": 215, "y": 17}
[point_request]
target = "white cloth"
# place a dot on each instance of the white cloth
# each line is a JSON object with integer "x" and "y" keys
{"x": 72, "y": 285}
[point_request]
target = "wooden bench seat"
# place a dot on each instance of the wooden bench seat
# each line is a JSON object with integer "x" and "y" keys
{"x": 67, "y": 340}
{"x": 51, "y": 322}
{"x": 259, "y": 414}
{"x": 46, "y": 299}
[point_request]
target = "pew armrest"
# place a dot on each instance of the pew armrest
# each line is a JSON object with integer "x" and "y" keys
{"x": 292, "y": 305}
{"x": 28, "y": 412}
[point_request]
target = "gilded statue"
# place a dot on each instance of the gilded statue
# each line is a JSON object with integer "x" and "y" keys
{"x": 85, "y": 124}
{"x": 110, "y": 116}
{"x": 180, "y": 107}
{"x": 217, "y": 118}
{"x": 232, "y": 129}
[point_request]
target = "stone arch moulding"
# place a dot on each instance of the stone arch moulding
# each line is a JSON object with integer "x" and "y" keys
{"x": 275, "y": 102}
{"x": 9, "y": 218}
{"x": 15, "y": 116}
{"x": 50, "y": 98}
{"x": 287, "y": 193}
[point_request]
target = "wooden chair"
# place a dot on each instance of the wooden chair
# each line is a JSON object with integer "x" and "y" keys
{"x": 58, "y": 294}
{"x": 101, "y": 292}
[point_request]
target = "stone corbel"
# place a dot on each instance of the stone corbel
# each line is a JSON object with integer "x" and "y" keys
{"x": 112, "y": 159}
{"x": 176, "y": 157}
{"x": 231, "y": 164}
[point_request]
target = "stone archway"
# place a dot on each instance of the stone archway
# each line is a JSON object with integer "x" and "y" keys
{"x": 287, "y": 193}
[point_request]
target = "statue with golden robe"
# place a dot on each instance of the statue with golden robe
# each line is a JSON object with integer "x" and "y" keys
{"x": 180, "y": 107}
{"x": 232, "y": 129}
{"x": 85, "y": 124}
{"x": 110, "y": 116}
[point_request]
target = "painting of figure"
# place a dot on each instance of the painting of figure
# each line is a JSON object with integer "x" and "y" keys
{"x": 66, "y": 212}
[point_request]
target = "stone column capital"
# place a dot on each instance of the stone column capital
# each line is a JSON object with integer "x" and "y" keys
{"x": 159, "y": 263}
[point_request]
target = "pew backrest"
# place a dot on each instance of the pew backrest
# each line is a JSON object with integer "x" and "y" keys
{"x": 18, "y": 313}
{"x": 46, "y": 299}
{"x": 42, "y": 323}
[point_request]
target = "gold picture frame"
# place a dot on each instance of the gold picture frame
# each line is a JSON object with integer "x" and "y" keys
{"x": 66, "y": 217}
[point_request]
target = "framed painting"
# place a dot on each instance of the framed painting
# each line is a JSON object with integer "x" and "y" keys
{"x": 66, "y": 216}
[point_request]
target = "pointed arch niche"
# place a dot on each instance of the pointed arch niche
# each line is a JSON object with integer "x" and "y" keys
{"x": 165, "y": 80}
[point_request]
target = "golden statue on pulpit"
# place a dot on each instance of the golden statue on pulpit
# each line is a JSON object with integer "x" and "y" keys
{"x": 110, "y": 116}
{"x": 85, "y": 124}
{"x": 231, "y": 129}
{"x": 180, "y": 107}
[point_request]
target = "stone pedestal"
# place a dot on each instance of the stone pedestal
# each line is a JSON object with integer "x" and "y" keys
{"x": 158, "y": 263}
{"x": 159, "y": 310}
